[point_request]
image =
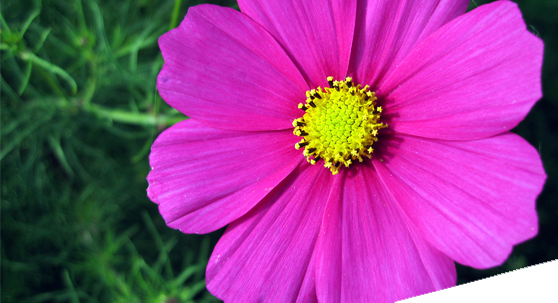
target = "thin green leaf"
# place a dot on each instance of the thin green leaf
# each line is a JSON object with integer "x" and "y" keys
{"x": 21, "y": 135}
{"x": 27, "y": 75}
{"x": 56, "y": 147}
{"x": 29, "y": 20}
{"x": 175, "y": 13}
{"x": 158, "y": 242}
{"x": 72, "y": 291}
{"x": 42, "y": 39}
{"x": 5, "y": 26}
{"x": 30, "y": 57}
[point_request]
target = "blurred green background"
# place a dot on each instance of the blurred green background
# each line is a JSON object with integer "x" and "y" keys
{"x": 79, "y": 113}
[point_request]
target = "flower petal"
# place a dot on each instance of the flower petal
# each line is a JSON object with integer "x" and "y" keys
{"x": 204, "y": 178}
{"x": 317, "y": 34}
{"x": 225, "y": 70}
{"x": 471, "y": 200}
{"x": 265, "y": 255}
{"x": 476, "y": 77}
{"x": 307, "y": 291}
{"x": 367, "y": 250}
{"x": 387, "y": 30}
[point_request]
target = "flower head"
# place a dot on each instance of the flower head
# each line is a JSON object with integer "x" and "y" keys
{"x": 354, "y": 148}
{"x": 340, "y": 124}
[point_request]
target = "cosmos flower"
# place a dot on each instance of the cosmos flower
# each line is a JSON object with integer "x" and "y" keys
{"x": 354, "y": 148}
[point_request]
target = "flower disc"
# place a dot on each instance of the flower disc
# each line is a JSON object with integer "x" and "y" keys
{"x": 340, "y": 125}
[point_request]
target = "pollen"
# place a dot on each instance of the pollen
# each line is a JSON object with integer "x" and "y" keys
{"x": 340, "y": 124}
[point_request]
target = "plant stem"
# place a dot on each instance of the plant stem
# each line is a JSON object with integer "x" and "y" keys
{"x": 127, "y": 117}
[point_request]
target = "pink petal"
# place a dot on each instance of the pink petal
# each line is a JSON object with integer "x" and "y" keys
{"x": 476, "y": 77}
{"x": 225, "y": 70}
{"x": 265, "y": 256}
{"x": 367, "y": 250}
{"x": 317, "y": 34}
{"x": 307, "y": 292}
{"x": 471, "y": 200}
{"x": 387, "y": 30}
{"x": 204, "y": 178}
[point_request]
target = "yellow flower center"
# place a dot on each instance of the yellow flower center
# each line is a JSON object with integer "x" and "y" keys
{"x": 340, "y": 124}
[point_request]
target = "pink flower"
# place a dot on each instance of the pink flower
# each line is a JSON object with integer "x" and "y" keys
{"x": 444, "y": 181}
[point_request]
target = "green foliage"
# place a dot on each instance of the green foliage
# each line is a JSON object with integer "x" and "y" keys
{"x": 80, "y": 111}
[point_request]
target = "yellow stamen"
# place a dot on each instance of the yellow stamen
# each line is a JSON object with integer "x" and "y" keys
{"x": 340, "y": 125}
